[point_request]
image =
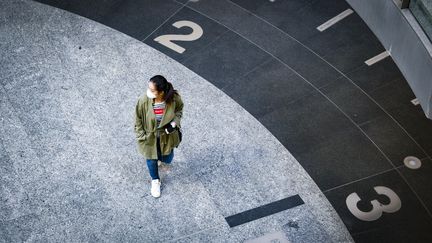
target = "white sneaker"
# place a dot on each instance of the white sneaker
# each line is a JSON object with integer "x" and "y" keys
{"x": 155, "y": 188}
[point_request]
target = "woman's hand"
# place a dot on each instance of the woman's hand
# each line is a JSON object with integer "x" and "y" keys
{"x": 169, "y": 128}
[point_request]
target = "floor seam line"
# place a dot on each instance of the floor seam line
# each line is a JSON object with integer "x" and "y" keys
{"x": 415, "y": 194}
{"x": 248, "y": 72}
{"x": 163, "y": 23}
{"x": 361, "y": 179}
{"x": 205, "y": 47}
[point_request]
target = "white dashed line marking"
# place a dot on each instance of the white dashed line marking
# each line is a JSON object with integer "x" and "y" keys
{"x": 334, "y": 20}
{"x": 377, "y": 58}
{"x": 415, "y": 101}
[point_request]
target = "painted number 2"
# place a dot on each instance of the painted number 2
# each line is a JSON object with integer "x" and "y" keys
{"x": 166, "y": 40}
{"x": 377, "y": 208}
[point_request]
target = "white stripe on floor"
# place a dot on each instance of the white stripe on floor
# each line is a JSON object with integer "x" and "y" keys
{"x": 377, "y": 58}
{"x": 334, "y": 20}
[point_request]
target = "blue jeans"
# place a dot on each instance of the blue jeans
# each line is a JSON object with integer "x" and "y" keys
{"x": 152, "y": 163}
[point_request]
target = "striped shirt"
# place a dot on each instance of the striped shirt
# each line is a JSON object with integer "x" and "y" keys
{"x": 159, "y": 109}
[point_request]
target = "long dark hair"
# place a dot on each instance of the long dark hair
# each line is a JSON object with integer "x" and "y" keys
{"x": 163, "y": 85}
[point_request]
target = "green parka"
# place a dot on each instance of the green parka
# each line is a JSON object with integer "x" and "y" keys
{"x": 145, "y": 126}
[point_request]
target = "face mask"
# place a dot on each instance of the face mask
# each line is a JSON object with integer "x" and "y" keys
{"x": 150, "y": 94}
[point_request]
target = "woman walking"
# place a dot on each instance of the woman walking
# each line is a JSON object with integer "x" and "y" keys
{"x": 157, "y": 123}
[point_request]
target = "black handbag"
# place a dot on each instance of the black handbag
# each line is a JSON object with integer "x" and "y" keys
{"x": 180, "y": 134}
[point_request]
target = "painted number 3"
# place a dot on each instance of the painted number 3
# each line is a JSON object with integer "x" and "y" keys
{"x": 377, "y": 208}
{"x": 166, "y": 40}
